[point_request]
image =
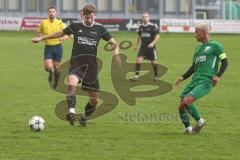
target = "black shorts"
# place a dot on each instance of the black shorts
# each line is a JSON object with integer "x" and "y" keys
{"x": 86, "y": 69}
{"x": 147, "y": 53}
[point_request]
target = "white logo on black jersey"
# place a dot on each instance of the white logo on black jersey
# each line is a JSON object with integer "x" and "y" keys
{"x": 145, "y": 34}
{"x": 80, "y": 31}
{"x": 87, "y": 41}
{"x": 94, "y": 32}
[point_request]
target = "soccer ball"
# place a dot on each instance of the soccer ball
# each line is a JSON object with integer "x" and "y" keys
{"x": 36, "y": 123}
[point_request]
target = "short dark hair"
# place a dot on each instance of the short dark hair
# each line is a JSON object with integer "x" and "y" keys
{"x": 88, "y": 9}
{"x": 51, "y": 7}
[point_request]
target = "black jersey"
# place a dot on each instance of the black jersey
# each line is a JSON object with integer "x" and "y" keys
{"x": 147, "y": 33}
{"x": 86, "y": 38}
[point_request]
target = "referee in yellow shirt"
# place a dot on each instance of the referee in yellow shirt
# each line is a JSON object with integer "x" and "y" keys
{"x": 53, "y": 48}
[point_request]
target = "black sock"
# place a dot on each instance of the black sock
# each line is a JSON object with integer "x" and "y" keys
{"x": 56, "y": 76}
{"x": 71, "y": 97}
{"x": 71, "y": 101}
{"x": 50, "y": 71}
{"x": 155, "y": 69}
{"x": 89, "y": 109}
{"x": 137, "y": 68}
{"x": 71, "y": 90}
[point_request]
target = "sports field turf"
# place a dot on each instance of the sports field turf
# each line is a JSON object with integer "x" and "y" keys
{"x": 119, "y": 134}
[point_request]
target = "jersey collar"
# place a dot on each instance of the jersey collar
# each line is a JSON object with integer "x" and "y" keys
{"x": 86, "y": 25}
{"x": 209, "y": 41}
{"x": 146, "y": 24}
{"x": 51, "y": 21}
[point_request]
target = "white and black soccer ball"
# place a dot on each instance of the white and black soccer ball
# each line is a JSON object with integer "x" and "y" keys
{"x": 36, "y": 123}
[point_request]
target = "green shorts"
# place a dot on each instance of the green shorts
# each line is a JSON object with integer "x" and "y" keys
{"x": 197, "y": 89}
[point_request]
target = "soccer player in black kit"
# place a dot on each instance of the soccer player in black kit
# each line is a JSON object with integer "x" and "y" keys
{"x": 148, "y": 35}
{"x": 83, "y": 62}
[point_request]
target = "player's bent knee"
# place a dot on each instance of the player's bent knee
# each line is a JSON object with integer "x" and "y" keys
{"x": 48, "y": 64}
{"x": 182, "y": 105}
{"x": 72, "y": 80}
{"x": 186, "y": 101}
{"x": 71, "y": 85}
{"x": 139, "y": 60}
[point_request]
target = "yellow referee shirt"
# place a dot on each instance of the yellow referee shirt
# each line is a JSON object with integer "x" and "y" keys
{"x": 47, "y": 27}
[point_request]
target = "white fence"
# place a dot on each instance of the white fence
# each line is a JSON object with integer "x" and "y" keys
{"x": 188, "y": 25}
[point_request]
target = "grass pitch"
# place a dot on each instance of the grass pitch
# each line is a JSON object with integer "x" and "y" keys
{"x": 119, "y": 134}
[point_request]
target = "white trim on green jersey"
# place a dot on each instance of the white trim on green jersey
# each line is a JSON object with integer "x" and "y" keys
{"x": 214, "y": 62}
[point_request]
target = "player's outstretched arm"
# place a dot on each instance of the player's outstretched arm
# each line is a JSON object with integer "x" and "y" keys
{"x": 115, "y": 51}
{"x": 65, "y": 37}
{"x": 185, "y": 75}
{"x": 222, "y": 69}
{"x": 51, "y": 36}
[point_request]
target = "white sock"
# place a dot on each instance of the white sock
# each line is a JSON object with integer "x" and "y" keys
{"x": 189, "y": 129}
{"x": 201, "y": 121}
{"x": 71, "y": 110}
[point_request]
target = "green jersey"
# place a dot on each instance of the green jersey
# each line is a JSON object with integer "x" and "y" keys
{"x": 206, "y": 60}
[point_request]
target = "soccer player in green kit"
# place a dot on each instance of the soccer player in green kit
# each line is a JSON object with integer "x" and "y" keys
{"x": 205, "y": 76}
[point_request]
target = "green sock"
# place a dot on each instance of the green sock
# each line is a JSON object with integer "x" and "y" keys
{"x": 184, "y": 117}
{"x": 192, "y": 109}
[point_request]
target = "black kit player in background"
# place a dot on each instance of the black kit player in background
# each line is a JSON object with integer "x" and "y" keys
{"x": 148, "y": 35}
{"x": 87, "y": 35}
